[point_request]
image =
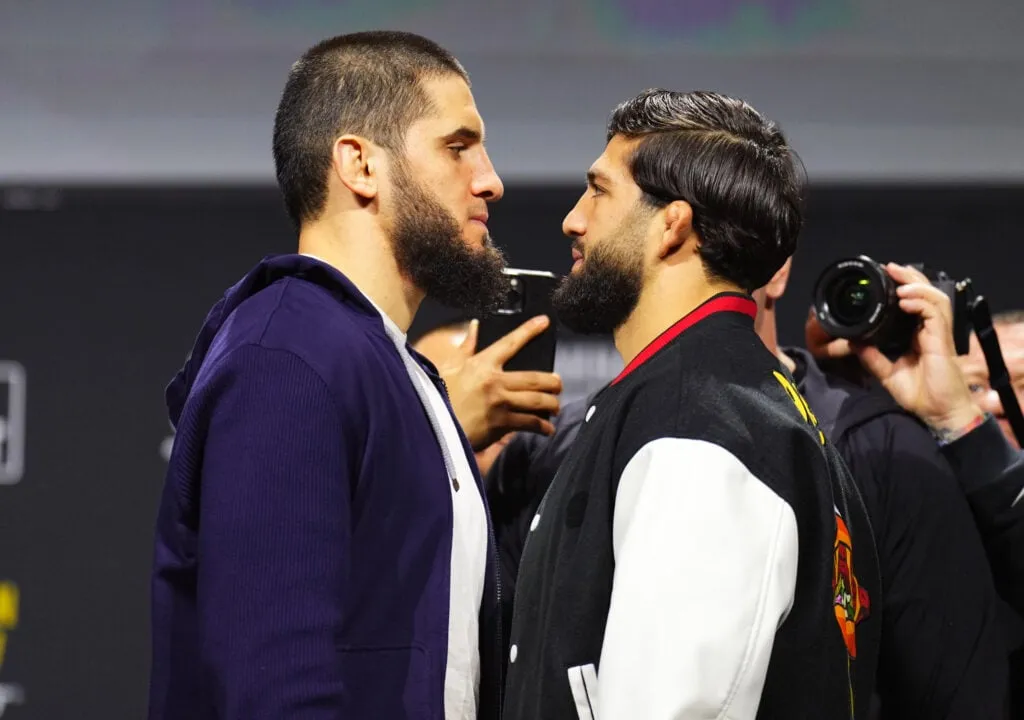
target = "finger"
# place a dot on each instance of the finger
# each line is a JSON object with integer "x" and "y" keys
{"x": 938, "y": 327}
{"x": 468, "y": 344}
{"x": 532, "y": 380}
{"x": 874, "y": 361}
{"x": 937, "y": 300}
{"x": 814, "y": 333}
{"x": 525, "y": 422}
{"x": 835, "y": 349}
{"x": 822, "y": 345}
{"x": 926, "y": 307}
{"x": 905, "y": 274}
{"x": 534, "y": 402}
{"x": 512, "y": 343}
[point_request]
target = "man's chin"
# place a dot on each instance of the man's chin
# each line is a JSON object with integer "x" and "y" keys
{"x": 477, "y": 238}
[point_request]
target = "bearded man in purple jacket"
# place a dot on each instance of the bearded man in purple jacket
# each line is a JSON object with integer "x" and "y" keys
{"x": 323, "y": 549}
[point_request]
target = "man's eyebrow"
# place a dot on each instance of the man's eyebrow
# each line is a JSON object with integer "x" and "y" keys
{"x": 595, "y": 177}
{"x": 465, "y": 134}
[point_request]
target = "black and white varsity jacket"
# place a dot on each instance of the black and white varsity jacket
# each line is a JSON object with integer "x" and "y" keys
{"x": 702, "y": 551}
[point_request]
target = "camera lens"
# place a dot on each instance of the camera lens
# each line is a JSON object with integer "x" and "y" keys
{"x": 513, "y": 298}
{"x": 852, "y": 298}
{"x": 856, "y": 299}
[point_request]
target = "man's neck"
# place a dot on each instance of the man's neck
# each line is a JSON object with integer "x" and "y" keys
{"x": 364, "y": 256}
{"x": 657, "y": 311}
{"x": 767, "y": 329}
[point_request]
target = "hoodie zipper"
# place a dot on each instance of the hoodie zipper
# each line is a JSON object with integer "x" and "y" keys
{"x": 492, "y": 550}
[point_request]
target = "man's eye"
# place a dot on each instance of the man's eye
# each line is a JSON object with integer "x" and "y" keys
{"x": 976, "y": 387}
{"x": 456, "y": 149}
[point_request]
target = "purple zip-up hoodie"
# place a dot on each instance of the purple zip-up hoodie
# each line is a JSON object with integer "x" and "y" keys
{"x": 303, "y": 544}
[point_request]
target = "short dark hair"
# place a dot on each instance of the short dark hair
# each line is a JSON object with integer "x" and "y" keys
{"x": 1008, "y": 317}
{"x": 365, "y": 83}
{"x": 730, "y": 164}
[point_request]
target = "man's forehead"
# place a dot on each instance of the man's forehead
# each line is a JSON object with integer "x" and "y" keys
{"x": 1011, "y": 345}
{"x": 1011, "y": 334}
{"x": 453, "y": 105}
{"x": 613, "y": 164}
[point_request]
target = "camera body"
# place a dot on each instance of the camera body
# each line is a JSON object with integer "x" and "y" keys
{"x": 855, "y": 298}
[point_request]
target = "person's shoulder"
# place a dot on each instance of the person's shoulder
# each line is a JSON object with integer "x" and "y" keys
{"x": 871, "y": 414}
{"x": 338, "y": 340}
{"x": 306, "y": 315}
{"x": 322, "y": 328}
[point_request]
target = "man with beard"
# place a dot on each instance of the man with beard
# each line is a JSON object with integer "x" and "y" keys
{"x": 323, "y": 549}
{"x": 702, "y": 551}
{"x": 942, "y": 652}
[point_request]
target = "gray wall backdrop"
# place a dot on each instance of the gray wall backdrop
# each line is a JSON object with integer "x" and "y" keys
{"x": 184, "y": 90}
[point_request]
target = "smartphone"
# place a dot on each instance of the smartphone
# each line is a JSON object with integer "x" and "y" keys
{"x": 529, "y": 295}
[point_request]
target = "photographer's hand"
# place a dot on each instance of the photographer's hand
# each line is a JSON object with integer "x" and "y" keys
{"x": 927, "y": 380}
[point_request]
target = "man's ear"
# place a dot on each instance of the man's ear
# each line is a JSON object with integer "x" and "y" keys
{"x": 776, "y": 287}
{"x": 677, "y": 227}
{"x": 356, "y": 163}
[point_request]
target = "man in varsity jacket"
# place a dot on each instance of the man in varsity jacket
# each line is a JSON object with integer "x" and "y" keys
{"x": 702, "y": 551}
{"x": 942, "y": 653}
{"x": 323, "y": 549}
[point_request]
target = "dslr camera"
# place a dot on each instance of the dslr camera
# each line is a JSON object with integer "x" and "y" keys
{"x": 856, "y": 299}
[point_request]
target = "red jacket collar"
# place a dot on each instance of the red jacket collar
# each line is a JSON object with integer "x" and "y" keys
{"x": 726, "y": 302}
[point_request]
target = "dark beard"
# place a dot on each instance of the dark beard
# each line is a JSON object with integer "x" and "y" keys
{"x": 430, "y": 251}
{"x": 601, "y": 296}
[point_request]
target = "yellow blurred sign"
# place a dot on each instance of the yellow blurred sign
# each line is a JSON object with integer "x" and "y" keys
{"x": 8, "y": 614}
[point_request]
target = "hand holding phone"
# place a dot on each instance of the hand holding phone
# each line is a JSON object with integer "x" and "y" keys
{"x": 490, "y": 401}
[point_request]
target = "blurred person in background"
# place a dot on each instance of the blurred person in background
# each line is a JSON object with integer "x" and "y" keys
{"x": 702, "y": 550}
{"x": 323, "y": 548}
{"x": 943, "y": 653}
{"x": 929, "y": 382}
{"x": 1009, "y": 327}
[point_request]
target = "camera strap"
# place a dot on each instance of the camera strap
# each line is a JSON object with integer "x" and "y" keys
{"x": 998, "y": 375}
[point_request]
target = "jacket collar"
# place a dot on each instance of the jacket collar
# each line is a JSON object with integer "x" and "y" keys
{"x": 729, "y": 302}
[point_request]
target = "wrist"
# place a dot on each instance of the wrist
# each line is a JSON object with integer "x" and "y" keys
{"x": 955, "y": 425}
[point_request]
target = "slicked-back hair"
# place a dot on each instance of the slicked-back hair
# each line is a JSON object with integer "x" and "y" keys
{"x": 730, "y": 164}
{"x": 366, "y": 83}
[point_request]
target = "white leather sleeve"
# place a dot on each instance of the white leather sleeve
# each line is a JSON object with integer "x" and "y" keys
{"x": 705, "y": 573}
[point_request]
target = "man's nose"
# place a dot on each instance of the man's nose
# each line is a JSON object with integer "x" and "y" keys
{"x": 487, "y": 184}
{"x": 990, "y": 403}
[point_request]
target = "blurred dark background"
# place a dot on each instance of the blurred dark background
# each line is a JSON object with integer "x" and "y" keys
{"x": 136, "y": 184}
{"x": 103, "y": 292}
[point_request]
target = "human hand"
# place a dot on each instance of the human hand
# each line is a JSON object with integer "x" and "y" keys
{"x": 820, "y": 344}
{"x": 485, "y": 458}
{"x": 927, "y": 380}
{"x": 490, "y": 402}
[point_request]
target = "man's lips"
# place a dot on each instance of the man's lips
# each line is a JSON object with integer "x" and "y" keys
{"x": 577, "y": 254}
